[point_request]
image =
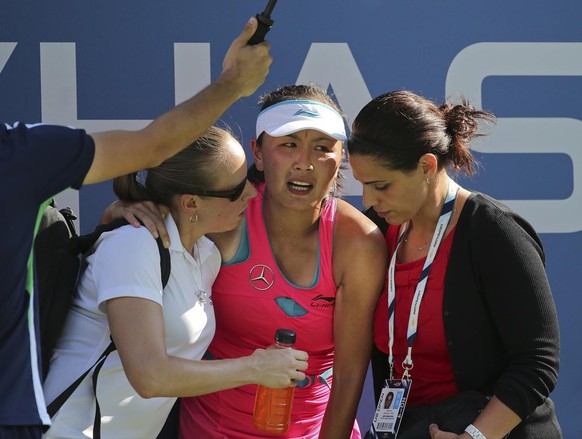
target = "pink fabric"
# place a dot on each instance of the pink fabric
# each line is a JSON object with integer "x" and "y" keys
{"x": 247, "y": 318}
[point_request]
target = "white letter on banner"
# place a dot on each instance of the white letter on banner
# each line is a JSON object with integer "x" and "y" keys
{"x": 333, "y": 64}
{"x": 58, "y": 78}
{"x": 527, "y": 135}
{"x": 191, "y": 69}
{"x": 6, "y": 50}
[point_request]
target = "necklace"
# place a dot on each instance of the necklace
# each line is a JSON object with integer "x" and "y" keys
{"x": 422, "y": 247}
{"x": 202, "y": 295}
{"x": 414, "y": 247}
{"x": 409, "y": 244}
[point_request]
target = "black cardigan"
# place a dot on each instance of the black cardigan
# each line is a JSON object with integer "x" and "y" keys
{"x": 499, "y": 316}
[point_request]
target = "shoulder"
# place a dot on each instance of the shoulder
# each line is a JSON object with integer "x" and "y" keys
{"x": 346, "y": 212}
{"x": 43, "y": 138}
{"x": 126, "y": 255}
{"x": 126, "y": 263}
{"x": 380, "y": 222}
{"x": 486, "y": 219}
{"x": 485, "y": 210}
{"x": 355, "y": 232}
{"x": 360, "y": 255}
{"x": 484, "y": 205}
{"x": 69, "y": 151}
{"x": 128, "y": 241}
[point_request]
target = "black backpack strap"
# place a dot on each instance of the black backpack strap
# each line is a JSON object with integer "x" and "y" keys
{"x": 83, "y": 243}
{"x": 171, "y": 427}
{"x": 70, "y": 217}
{"x": 94, "y": 378}
{"x": 165, "y": 262}
{"x": 54, "y": 406}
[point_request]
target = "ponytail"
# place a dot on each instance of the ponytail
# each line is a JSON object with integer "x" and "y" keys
{"x": 462, "y": 123}
{"x": 127, "y": 188}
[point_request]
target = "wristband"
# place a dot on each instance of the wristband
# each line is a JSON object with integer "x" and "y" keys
{"x": 474, "y": 432}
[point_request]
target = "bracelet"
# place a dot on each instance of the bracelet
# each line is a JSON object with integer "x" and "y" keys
{"x": 474, "y": 432}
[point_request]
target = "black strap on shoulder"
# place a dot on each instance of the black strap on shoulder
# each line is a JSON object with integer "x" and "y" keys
{"x": 165, "y": 262}
{"x": 82, "y": 244}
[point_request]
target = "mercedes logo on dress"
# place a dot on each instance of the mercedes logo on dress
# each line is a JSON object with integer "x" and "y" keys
{"x": 261, "y": 277}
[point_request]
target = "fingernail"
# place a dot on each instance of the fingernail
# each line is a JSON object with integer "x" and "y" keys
{"x": 166, "y": 243}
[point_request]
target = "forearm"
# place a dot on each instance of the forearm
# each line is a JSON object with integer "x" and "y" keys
{"x": 179, "y": 377}
{"x": 342, "y": 407}
{"x": 153, "y": 373}
{"x": 122, "y": 152}
{"x": 495, "y": 421}
{"x": 353, "y": 346}
{"x": 179, "y": 127}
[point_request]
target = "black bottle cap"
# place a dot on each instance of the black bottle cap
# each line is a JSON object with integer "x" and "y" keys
{"x": 286, "y": 336}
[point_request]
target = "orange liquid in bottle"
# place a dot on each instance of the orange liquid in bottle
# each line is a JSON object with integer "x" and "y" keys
{"x": 272, "y": 412}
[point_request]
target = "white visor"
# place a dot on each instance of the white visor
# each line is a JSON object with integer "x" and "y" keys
{"x": 289, "y": 117}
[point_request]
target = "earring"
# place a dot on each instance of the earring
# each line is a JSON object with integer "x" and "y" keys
{"x": 195, "y": 219}
{"x": 427, "y": 180}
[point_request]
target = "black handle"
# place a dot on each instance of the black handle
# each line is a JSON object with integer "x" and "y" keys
{"x": 265, "y": 24}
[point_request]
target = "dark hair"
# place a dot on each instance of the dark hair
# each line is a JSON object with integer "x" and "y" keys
{"x": 192, "y": 169}
{"x": 293, "y": 93}
{"x": 298, "y": 92}
{"x": 399, "y": 127}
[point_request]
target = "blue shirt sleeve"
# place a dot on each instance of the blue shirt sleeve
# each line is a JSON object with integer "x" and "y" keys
{"x": 45, "y": 159}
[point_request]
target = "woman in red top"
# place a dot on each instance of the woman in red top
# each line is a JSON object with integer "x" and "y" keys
{"x": 471, "y": 319}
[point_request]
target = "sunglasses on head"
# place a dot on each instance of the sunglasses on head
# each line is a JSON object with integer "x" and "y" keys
{"x": 232, "y": 194}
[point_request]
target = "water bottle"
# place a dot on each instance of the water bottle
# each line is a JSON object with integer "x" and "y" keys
{"x": 272, "y": 413}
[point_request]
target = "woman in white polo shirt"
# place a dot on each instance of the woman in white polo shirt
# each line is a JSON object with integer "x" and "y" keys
{"x": 160, "y": 333}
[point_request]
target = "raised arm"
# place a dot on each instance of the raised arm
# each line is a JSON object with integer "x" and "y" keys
{"x": 121, "y": 152}
{"x": 360, "y": 259}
